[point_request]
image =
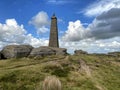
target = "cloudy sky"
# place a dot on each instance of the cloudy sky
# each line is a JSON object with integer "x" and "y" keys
{"x": 90, "y": 25}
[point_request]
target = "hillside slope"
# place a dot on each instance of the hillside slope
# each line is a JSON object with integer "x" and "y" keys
{"x": 76, "y": 72}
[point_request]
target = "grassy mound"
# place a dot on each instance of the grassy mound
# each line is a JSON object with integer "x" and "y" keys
{"x": 76, "y": 72}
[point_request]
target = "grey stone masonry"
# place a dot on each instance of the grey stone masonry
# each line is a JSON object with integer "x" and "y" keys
{"x": 53, "y": 40}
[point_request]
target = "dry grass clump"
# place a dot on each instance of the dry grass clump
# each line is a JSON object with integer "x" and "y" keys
{"x": 51, "y": 83}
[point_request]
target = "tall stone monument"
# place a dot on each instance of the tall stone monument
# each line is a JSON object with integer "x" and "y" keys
{"x": 53, "y": 40}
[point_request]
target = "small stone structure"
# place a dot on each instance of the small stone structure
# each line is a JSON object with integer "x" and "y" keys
{"x": 77, "y": 52}
{"x": 53, "y": 40}
{"x": 16, "y": 51}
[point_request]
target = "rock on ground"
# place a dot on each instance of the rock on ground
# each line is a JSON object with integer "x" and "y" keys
{"x": 16, "y": 51}
{"x": 60, "y": 51}
{"x": 77, "y": 52}
{"x": 44, "y": 51}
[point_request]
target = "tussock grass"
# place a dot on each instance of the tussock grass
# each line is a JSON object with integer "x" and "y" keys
{"x": 51, "y": 83}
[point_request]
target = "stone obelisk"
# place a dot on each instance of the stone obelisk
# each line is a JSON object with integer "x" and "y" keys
{"x": 53, "y": 40}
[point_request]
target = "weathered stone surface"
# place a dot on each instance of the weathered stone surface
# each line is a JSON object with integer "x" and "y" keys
{"x": 42, "y": 51}
{"x": 77, "y": 52}
{"x": 60, "y": 51}
{"x": 16, "y": 51}
{"x": 53, "y": 40}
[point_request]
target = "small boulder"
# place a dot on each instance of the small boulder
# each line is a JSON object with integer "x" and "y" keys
{"x": 60, "y": 51}
{"x": 16, "y": 51}
{"x": 77, "y": 52}
{"x": 42, "y": 51}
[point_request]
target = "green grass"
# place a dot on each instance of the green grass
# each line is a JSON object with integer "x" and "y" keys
{"x": 29, "y": 73}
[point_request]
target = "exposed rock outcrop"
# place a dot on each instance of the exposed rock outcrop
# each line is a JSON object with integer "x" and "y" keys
{"x": 77, "y": 52}
{"x": 16, "y": 51}
{"x": 114, "y": 54}
{"x": 60, "y": 51}
{"x": 44, "y": 51}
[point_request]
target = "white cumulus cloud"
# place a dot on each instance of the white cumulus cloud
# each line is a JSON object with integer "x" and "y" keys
{"x": 93, "y": 46}
{"x": 101, "y": 36}
{"x": 35, "y": 41}
{"x": 40, "y": 21}
{"x": 75, "y": 32}
{"x": 12, "y": 33}
{"x": 101, "y": 6}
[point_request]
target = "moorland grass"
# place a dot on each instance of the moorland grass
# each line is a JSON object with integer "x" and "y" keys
{"x": 29, "y": 73}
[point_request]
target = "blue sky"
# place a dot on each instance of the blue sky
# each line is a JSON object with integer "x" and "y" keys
{"x": 90, "y": 25}
{"x": 23, "y": 10}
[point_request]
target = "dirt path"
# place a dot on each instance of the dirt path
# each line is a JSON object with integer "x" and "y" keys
{"x": 86, "y": 69}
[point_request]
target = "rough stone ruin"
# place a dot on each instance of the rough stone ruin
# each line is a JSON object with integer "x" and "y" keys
{"x": 18, "y": 51}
